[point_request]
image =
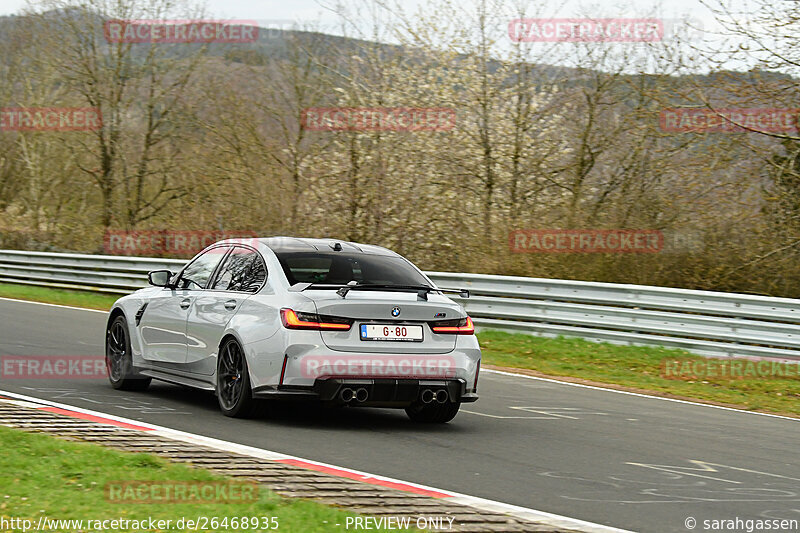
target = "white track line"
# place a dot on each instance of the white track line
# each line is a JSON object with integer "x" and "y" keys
{"x": 549, "y": 519}
{"x": 638, "y": 394}
{"x": 55, "y": 305}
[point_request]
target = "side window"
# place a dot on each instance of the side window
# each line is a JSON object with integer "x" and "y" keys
{"x": 243, "y": 271}
{"x": 196, "y": 275}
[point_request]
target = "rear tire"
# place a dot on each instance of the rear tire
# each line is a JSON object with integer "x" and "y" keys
{"x": 436, "y": 413}
{"x": 119, "y": 362}
{"x": 234, "y": 393}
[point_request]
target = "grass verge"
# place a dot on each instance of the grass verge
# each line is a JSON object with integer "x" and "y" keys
{"x": 631, "y": 367}
{"x": 62, "y": 480}
{"x": 90, "y": 300}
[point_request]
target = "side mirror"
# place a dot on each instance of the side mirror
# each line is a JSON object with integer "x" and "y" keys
{"x": 159, "y": 278}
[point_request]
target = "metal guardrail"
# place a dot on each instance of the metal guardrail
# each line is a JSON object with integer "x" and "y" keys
{"x": 702, "y": 322}
{"x": 104, "y": 273}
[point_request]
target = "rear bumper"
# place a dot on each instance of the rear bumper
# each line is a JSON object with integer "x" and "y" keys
{"x": 380, "y": 392}
{"x": 297, "y": 359}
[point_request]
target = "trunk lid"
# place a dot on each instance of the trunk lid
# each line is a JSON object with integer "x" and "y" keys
{"x": 375, "y": 307}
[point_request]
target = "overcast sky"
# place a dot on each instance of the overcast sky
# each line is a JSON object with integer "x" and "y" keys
{"x": 313, "y": 9}
{"x": 317, "y": 14}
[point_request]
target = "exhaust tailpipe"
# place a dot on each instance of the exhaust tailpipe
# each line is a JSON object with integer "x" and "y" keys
{"x": 346, "y": 395}
{"x": 441, "y": 396}
{"x": 362, "y": 395}
{"x": 427, "y": 396}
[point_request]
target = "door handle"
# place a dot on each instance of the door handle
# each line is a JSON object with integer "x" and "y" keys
{"x": 230, "y": 305}
{"x": 186, "y": 303}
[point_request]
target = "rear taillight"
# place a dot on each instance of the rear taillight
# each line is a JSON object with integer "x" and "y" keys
{"x": 462, "y": 326}
{"x": 294, "y": 320}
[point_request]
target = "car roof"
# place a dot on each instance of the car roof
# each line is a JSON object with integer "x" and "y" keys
{"x": 301, "y": 244}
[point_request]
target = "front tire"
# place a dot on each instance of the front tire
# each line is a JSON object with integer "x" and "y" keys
{"x": 433, "y": 413}
{"x": 119, "y": 362}
{"x": 234, "y": 393}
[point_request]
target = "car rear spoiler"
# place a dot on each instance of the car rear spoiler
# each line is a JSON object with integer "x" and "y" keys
{"x": 342, "y": 290}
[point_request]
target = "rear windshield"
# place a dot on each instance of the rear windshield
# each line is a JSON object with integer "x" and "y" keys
{"x": 341, "y": 268}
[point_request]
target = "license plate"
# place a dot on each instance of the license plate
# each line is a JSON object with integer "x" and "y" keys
{"x": 390, "y": 332}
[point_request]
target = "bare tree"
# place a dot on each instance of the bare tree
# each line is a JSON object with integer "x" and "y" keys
{"x": 133, "y": 158}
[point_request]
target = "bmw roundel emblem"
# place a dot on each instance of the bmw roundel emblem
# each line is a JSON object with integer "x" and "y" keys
{"x": 395, "y": 311}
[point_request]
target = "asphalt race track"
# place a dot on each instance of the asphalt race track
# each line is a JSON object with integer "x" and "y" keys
{"x": 628, "y": 461}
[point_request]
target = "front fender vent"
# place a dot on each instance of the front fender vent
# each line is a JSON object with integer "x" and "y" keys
{"x": 140, "y": 314}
